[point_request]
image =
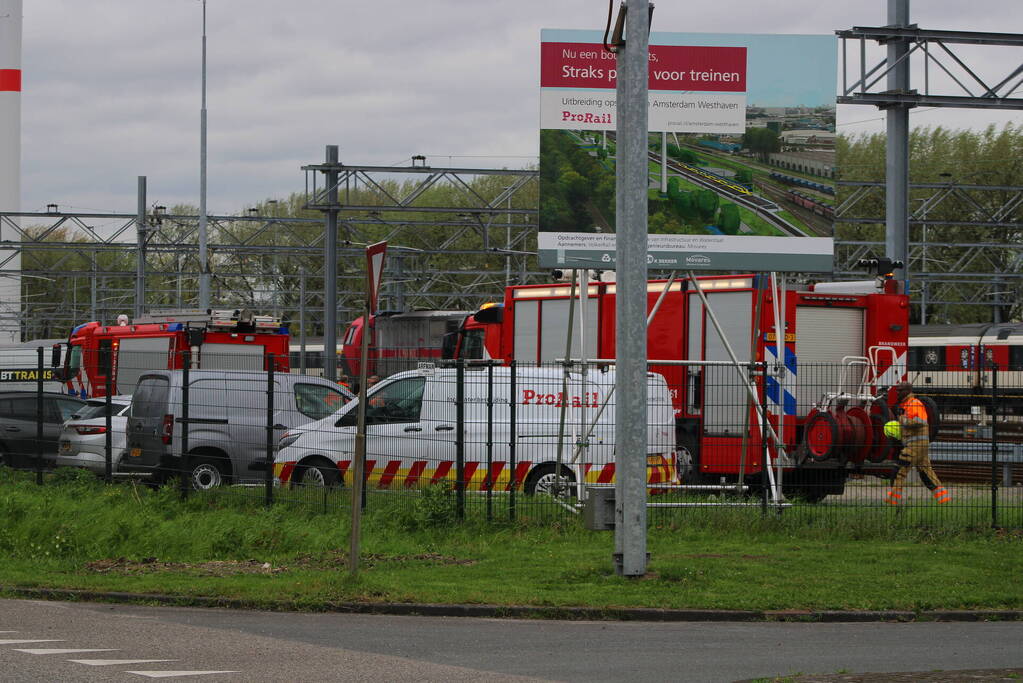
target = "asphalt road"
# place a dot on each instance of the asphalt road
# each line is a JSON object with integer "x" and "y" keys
{"x": 232, "y": 645}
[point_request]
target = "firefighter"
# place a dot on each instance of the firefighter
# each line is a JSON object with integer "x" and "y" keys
{"x": 911, "y": 428}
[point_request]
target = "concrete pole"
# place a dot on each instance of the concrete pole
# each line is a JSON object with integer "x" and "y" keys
{"x": 330, "y": 273}
{"x": 204, "y": 266}
{"x": 10, "y": 164}
{"x": 630, "y": 305}
{"x": 897, "y": 151}
{"x": 140, "y": 253}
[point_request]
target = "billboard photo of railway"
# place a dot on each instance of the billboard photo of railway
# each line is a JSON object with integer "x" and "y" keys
{"x": 741, "y": 142}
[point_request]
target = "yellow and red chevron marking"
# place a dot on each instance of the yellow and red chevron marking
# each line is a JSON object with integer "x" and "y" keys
{"x": 391, "y": 475}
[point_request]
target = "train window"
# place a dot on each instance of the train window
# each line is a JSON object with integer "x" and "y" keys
{"x": 1016, "y": 357}
{"x": 926, "y": 358}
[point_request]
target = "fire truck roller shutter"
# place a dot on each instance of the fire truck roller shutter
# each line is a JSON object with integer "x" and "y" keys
{"x": 136, "y": 356}
{"x": 823, "y": 337}
{"x": 724, "y": 396}
{"x": 554, "y": 323}
{"x": 231, "y": 357}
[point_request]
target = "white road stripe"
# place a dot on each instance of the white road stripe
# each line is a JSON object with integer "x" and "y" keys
{"x": 172, "y": 674}
{"x": 60, "y": 651}
{"x": 115, "y": 662}
{"x": 33, "y": 640}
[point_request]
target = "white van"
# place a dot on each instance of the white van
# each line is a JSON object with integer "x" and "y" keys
{"x": 411, "y": 432}
{"x": 227, "y": 420}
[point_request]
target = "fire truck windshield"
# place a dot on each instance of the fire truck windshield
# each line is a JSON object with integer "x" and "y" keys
{"x": 74, "y": 361}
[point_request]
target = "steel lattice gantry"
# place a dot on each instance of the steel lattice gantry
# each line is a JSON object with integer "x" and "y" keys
{"x": 965, "y": 246}
{"x": 978, "y": 267}
{"x": 452, "y": 254}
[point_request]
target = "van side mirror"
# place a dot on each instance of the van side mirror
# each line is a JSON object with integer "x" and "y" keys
{"x": 55, "y": 356}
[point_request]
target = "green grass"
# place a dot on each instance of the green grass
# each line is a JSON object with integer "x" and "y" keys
{"x": 415, "y": 551}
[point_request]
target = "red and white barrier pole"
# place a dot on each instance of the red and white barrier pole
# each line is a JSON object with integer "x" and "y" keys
{"x": 10, "y": 164}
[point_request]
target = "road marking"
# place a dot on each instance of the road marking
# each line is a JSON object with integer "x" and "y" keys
{"x": 114, "y": 662}
{"x": 60, "y": 651}
{"x": 172, "y": 674}
{"x": 26, "y": 642}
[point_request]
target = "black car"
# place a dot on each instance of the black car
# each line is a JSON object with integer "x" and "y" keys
{"x": 18, "y": 426}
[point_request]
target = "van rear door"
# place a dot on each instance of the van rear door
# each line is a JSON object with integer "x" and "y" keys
{"x": 150, "y": 422}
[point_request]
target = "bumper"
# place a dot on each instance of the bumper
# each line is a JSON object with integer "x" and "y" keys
{"x": 94, "y": 462}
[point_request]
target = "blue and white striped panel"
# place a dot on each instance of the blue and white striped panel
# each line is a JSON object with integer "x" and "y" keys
{"x": 789, "y": 371}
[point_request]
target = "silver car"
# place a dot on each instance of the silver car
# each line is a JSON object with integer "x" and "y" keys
{"x": 83, "y": 439}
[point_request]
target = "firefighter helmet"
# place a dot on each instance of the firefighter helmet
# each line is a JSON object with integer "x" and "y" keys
{"x": 893, "y": 429}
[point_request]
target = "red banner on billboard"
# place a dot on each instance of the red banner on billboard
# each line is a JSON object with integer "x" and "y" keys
{"x": 672, "y": 67}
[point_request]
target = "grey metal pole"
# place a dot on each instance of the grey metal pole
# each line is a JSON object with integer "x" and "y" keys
{"x": 140, "y": 254}
{"x": 897, "y": 151}
{"x": 330, "y": 274}
{"x": 204, "y": 269}
{"x": 630, "y": 305}
{"x": 301, "y": 323}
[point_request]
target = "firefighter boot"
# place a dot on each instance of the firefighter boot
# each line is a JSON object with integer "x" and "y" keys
{"x": 893, "y": 497}
{"x": 941, "y": 495}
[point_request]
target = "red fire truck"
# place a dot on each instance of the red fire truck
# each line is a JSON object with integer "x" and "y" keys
{"x": 824, "y": 392}
{"x": 398, "y": 339}
{"x": 217, "y": 339}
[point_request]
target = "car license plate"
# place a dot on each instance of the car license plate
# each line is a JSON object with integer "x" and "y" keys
{"x": 65, "y": 446}
{"x": 135, "y": 453}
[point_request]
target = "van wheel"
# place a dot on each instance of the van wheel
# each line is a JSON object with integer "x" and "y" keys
{"x": 315, "y": 472}
{"x": 543, "y": 479}
{"x": 206, "y": 473}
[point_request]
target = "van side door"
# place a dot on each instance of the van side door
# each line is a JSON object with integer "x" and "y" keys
{"x": 396, "y": 436}
{"x": 150, "y": 422}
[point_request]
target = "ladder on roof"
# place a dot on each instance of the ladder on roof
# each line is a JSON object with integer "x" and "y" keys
{"x": 212, "y": 317}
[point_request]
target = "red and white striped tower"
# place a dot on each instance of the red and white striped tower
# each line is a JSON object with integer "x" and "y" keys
{"x": 10, "y": 164}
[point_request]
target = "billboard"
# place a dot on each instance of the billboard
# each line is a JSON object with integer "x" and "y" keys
{"x": 742, "y": 149}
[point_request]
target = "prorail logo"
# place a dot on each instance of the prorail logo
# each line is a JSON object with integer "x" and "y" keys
{"x": 586, "y": 118}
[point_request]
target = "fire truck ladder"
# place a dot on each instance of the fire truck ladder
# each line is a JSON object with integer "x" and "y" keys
{"x": 212, "y": 318}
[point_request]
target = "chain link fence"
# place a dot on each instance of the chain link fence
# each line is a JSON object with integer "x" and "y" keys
{"x": 526, "y": 442}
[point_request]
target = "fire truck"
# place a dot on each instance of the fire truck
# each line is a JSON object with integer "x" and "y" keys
{"x": 817, "y": 366}
{"x": 217, "y": 339}
{"x": 398, "y": 339}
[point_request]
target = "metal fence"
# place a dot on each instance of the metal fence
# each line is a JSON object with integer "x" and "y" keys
{"x": 508, "y": 442}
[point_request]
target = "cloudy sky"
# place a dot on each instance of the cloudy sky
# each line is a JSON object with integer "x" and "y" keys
{"x": 112, "y": 87}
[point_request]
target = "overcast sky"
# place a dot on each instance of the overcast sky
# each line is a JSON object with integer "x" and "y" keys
{"x": 112, "y": 87}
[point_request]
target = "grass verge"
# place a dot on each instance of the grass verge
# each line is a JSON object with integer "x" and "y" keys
{"x": 79, "y": 534}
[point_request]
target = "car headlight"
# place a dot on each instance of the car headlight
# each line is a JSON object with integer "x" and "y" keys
{"x": 288, "y": 439}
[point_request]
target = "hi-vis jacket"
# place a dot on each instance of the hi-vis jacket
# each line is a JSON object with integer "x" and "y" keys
{"x": 913, "y": 420}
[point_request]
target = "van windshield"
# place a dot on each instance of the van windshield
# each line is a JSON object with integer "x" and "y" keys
{"x": 150, "y": 398}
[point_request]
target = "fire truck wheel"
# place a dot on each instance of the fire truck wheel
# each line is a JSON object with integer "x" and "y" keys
{"x": 687, "y": 461}
{"x": 206, "y": 473}
{"x": 543, "y": 479}
{"x": 315, "y": 472}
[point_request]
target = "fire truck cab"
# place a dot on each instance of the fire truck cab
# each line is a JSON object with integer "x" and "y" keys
{"x": 216, "y": 339}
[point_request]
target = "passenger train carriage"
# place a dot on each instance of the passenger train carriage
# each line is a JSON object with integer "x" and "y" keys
{"x": 956, "y": 365}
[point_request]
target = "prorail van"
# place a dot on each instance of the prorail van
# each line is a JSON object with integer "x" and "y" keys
{"x": 514, "y": 423}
